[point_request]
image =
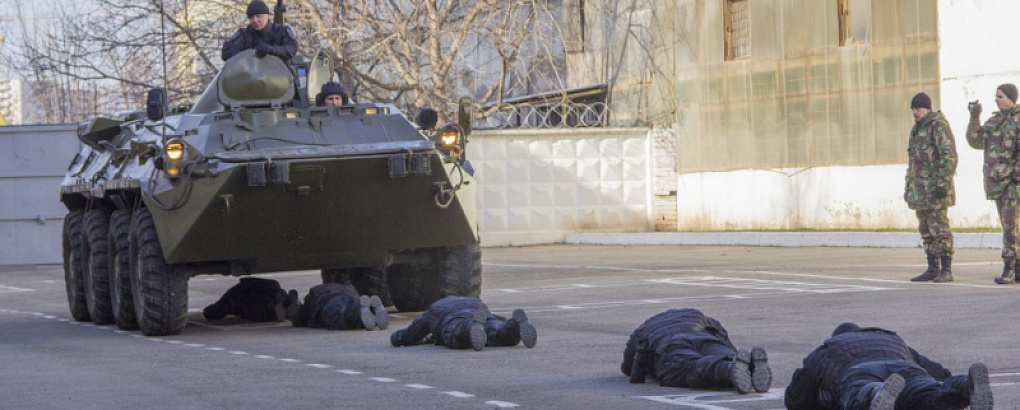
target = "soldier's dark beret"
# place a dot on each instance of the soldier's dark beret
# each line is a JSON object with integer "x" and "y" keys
{"x": 921, "y": 100}
{"x": 1009, "y": 90}
{"x": 257, "y": 7}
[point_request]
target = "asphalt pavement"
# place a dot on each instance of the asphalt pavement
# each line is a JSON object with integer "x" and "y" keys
{"x": 583, "y": 300}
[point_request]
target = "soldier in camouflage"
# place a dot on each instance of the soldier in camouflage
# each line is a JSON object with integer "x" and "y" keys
{"x": 929, "y": 188}
{"x": 999, "y": 140}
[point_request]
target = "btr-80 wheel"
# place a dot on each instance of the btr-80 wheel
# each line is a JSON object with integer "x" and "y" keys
{"x": 97, "y": 273}
{"x": 74, "y": 265}
{"x": 159, "y": 292}
{"x": 453, "y": 271}
{"x": 123, "y": 304}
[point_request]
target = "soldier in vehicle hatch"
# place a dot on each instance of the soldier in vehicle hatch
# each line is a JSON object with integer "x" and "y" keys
{"x": 255, "y": 299}
{"x": 262, "y": 35}
{"x": 332, "y": 94}
{"x": 1000, "y": 139}
{"x": 460, "y": 322}
{"x": 929, "y": 186}
{"x": 685, "y": 348}
{"x": 873, "y": 368}
{"x": 337, "y": 306}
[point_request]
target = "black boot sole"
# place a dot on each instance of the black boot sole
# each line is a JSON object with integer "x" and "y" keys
{"x": 367, "y": 318}
{"x": 740, "y": 373}
{"x": 890, "y": 391}
{"x": 477, "y": 330}
{"x": 761, "y": 376}
{"x": 525, "y": 329}
{"x": 980, "y": 389}
{"x": 382, "y": 318}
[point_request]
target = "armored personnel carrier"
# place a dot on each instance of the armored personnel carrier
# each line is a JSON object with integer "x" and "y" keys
{"x": 255, "y": 178}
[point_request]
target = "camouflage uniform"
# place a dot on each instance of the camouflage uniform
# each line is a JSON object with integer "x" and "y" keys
{"x": 932, "y": 152}
{"x": 999, "y": 139}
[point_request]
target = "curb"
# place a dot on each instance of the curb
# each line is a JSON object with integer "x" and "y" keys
{"x": 781, "y": 239}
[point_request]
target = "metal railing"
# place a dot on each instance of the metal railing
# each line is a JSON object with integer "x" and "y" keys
{"x": 563, "y": 114}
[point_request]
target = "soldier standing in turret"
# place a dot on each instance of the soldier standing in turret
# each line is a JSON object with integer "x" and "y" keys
{"x": 929, "y": 188}
{"x": 262, "y": 35}
{"x": 998, "y": 139}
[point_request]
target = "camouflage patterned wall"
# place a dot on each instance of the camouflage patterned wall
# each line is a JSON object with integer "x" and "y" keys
{"x": 799, "y": 100}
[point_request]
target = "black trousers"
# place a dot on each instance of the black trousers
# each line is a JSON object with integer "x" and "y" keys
{"x": 922, "y": 392}
{"x": 693, "y": 360}
{"x": 330, "y": 311}
{"x": 453, "y": 330}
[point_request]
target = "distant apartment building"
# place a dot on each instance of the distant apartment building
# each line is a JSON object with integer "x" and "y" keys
{"x": 10, "y": 102}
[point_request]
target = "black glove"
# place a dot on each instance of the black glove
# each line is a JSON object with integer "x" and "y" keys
{"x": 262, "y": 49}
{"x": 975, "y": 108}
{"x": 940, "y": 192}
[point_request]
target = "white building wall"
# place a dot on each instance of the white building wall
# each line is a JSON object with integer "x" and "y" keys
{"x": 976, "y": 54}
{"x": 537, "y": 185}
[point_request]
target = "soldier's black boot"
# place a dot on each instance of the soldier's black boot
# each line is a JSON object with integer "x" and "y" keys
{"x": 946, "y": 274}
{"x": 740, "y": 372}
{"x": 931, "y": 273}
{"x": 1008, "y": 274}
{"x": 761, "y": 372}
{"x": 980, "y": 390}
{"x": 886, "y": 395}
{"x": 638, "y": 369}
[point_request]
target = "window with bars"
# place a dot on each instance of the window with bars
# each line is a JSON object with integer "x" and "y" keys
{"x": 738, "y": 31}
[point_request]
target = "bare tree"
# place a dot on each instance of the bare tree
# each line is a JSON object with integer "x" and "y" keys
{"x": 410, "y": 52}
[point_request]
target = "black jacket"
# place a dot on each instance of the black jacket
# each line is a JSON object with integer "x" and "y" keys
{"x": 671, "y": 322}
{"x": 814, "y": 386}
{"x": 278, "y": 37}
{"x": 441, "y": 313}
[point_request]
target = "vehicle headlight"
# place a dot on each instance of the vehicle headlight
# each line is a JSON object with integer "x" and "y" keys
{"x": 173, "y": 158}
{"x": 450, "y": 140}
{"x": 449, "y": 137}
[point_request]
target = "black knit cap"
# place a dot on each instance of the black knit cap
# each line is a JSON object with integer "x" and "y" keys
{"x": 331, "y": 88}
{"x": 921, "y": 100}
{"x": 257, "y": 7}
{"x": 1009, "y": 90}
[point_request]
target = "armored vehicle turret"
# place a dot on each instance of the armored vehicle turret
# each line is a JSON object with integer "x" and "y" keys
{"x": 255, "y": 178}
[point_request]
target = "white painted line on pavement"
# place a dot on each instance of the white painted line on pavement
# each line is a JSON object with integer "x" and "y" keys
{"x": 898, "y": 282}
{"x": 714, "y": 400}
{"x": 12, "y": 289}
{"x": 502, "y": 404}
{"x": 459, "y": 394}
{"x": 1004, "y": 375}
